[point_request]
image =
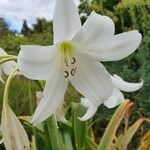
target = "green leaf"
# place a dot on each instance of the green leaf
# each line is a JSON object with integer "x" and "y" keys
{"x": 66, "y": 139}
{"x": 54, "y": 133}
{"x": 79, "y": 127}
{"x": 113, "y": 125}
{"x": 91, "y": 144}
{"x": 48, "y": 144}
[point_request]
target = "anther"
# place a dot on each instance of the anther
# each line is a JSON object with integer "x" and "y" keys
{"x": 74, "y": 60}
{"x": 66, "y": 74}
{"x": 73, "y": 71}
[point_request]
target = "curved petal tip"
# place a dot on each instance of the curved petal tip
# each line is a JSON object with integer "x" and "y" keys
{"x": 90, "y": 111}
{"x": 125, "y": 86}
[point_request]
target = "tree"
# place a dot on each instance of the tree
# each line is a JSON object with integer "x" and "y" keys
{"x": 4, "y": 30}
{"x": 25, "y": 29}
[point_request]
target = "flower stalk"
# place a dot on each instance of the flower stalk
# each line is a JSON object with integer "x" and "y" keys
{"x": 6, "y": 91}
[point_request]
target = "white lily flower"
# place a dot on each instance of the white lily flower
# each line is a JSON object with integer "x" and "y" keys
{"x": 75, "y": 57}
{"x": 115, "y": 99}
{"x": 7, "y": 67}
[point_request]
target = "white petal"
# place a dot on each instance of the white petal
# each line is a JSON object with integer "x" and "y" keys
{"x": 90, "y": 113}
{"x": 66, "y": 20}
{"x": 53, "y": 94}
{"x": 114, "y": 48}
{"x": 60, "y": 116}
{"x": 60, "y": 113}
{"x": 8, "y": 67}
{"x": 115, "y": 99}
{"x": 85, "y": 102}
{"x": 92, "y": 81}
{"x": 125, "y": 86}
{"x": 96, "y": 29}
{"x": 2, "y": 52}
{"x": 36, "y": 62}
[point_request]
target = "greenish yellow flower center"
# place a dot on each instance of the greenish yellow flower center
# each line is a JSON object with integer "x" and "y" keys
{"x": 69, "y": 61}
{"x": 66, "y": 48}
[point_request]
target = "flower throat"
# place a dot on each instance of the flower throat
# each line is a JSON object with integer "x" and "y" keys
{"x": 68, "y": 60}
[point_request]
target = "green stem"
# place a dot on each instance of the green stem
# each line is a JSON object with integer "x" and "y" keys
{"x": 7, "y": 58}
{"x": 31, "y": 112}
{"x": 6, "y": 90}
{"x": 30, "y": 97}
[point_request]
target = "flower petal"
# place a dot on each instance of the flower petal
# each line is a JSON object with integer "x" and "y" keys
{"x": 13, "y": 132}
{"x": 36, "y": 62}
{"x": 53, "y": 94}
{"x": 90, "y": 111}
{"x": 93, "y": 81}
{"x": 115, "y": 99}
{"x": 60, "y": 116}
{"x": 60, "y": 113}
{"x": 2, "y": 52}
{"x": 66, "y": 20}
{"x": 85, "y": 102}
{"x": 8, "y": 67}
{"x": 114, "y": 48}
{"x": 96, "y": 29}
{"x": 125, "y": 86}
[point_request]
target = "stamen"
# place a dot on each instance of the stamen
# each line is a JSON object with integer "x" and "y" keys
{"x": 66, "y": 74}
{"x": 74, "y": 60}
{"x": 66, "y": 61}
{"x": 73, "y": 71}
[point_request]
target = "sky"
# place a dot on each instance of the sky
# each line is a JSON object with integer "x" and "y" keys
{"x": 15, "y": 11}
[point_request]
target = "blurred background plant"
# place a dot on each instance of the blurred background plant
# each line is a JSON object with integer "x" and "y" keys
{"x": 127, "y": 15}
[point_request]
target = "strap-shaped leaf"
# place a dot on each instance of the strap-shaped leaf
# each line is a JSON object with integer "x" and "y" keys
{"x": 91, "y": 144}
{"x": 113, "y": 125}
{"x": 79, "y": 127}
{"x": 145, "y": 141}
{"x": 123, "y": 141}
{"x": 54, "y": 133}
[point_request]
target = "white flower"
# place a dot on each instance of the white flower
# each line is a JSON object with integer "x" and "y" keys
{"x": 115, "y": 99}
{"x": 75, "y": 57}
{"x": 7, "y": 67}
